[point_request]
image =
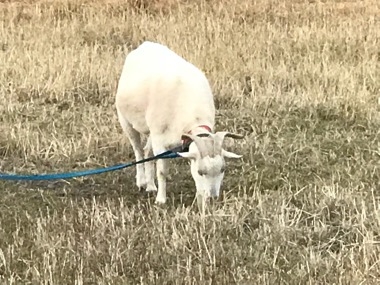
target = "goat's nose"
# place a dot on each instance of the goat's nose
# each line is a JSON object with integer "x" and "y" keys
{"x": 214, "y": 192}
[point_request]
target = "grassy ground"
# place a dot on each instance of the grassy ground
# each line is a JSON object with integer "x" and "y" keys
{"x": 301, "y": 79}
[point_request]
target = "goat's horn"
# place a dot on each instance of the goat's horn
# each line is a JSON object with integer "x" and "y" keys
{"x": 219, "y": 138}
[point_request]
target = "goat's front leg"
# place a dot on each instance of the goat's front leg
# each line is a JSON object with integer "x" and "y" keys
{"x": 162, "y": 173}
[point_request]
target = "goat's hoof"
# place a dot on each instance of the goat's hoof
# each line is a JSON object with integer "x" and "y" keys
{"x": 160, "y": 201}
{"x": 151, "y": 188}
{"x": 141, "y": 185}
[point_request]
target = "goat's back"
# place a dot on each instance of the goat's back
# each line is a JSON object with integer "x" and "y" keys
{"x": 159, "y": 86}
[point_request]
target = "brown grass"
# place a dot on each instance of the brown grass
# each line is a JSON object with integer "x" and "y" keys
{"x": 301, "y": 79}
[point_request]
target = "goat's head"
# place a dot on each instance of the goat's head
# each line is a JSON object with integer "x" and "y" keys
{"x": 207, "y": 159}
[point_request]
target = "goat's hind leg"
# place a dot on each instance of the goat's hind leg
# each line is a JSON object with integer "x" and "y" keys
{"x": 162, "y": 171}
{"x": 149, "y": 167}
{"x": 135, "y": 140}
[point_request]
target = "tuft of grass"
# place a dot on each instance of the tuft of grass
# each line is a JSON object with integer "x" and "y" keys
{"x": 299, "y": 78}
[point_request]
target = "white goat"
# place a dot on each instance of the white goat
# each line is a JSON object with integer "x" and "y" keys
{"x": 167, "y": 98}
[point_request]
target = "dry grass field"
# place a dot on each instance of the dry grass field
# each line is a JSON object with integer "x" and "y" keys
{"x": 300, "y": 79}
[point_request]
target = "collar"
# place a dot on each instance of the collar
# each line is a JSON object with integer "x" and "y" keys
{"x": 204, "y": 127}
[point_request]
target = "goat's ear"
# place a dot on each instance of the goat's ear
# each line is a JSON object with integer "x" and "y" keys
{"x": 189, "y": 155}
{"x": 229, "y": 154}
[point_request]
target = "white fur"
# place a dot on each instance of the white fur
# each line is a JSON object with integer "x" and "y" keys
{"x": 163, "y": 96}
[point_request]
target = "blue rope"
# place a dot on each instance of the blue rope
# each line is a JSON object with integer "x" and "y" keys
{"x": 67, "y": 175}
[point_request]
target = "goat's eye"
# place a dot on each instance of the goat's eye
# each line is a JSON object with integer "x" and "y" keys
{"x": 201, "y": 173}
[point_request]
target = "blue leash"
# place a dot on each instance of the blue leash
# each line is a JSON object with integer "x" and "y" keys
{"x": 53, "y": 176}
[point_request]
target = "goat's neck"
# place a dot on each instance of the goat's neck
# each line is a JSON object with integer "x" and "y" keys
{"x": 200, "y": 129}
